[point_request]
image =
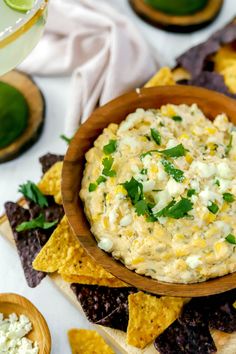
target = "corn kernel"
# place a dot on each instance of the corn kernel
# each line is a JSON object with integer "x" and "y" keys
{"x": 179, "y": 237}
{"x": 168, "y": 110}
{"x": 188, "y": 158}
{"x": 181, "y": 252}
{"x": 234, "y": 304}
{"x": 153, "y": 169}
{"x": 143, "y": 138}
{"x": 211, "y": 131}
{"x": 209, "y": 217}
{"x": 225, "y": 207}
{"x": 211, "y": 231}
{"x": 200, "y": 243}
{"x": 120, "y": 189}
{"x": 137, "y": 260}
{"x": 220, "y": 248}
{"x": 184, "y": 136}
{"x": 106, "y": 222}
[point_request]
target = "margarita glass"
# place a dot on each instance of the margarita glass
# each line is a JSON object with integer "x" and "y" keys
{"x": 19, "y": 32}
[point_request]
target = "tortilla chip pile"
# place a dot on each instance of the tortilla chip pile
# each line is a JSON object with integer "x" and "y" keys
{"x": 176, "y": 325}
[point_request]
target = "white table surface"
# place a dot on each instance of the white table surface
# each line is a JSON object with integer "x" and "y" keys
{"x": 59, "y": 313}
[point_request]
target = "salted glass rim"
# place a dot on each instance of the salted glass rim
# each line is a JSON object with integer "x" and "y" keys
{"x": 26, "y": 17}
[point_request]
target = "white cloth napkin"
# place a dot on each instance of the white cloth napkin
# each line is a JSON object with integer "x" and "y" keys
{"x": 99, "y": 46}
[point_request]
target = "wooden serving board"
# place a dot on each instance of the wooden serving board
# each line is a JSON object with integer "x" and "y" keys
{"x": 226, "y": 343}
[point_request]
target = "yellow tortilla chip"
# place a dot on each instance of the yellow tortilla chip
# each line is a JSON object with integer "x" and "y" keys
{"x": 225, "y": 57}
{"x": 85, "y": 341}
{"x": 162, "y": 77}
{"x": 149, "y": 316}
{"x": 80, "y": 279}
{"x": 180, "y": 74}
{"x": 229, "y": 74}
{"x": 50, "y": 184}
{"x": 57, "y": 250}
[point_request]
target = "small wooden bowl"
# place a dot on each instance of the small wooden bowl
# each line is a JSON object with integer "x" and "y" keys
{"x": 212, "y": 103}
{"x": 14, "y": 303}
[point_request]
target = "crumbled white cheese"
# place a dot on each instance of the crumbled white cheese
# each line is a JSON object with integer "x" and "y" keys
{"x": 172, "y": 143}
{"x": 12, "y": 335}
{"x": 208, "y": 196}
{"x": 223, "y": 227}
{"x": 163, "y": 198}
{"x": 174, "y": 188}
{"x": 131, "y": 120}
{"x": 148, "y": 186}
{"x": 193, "y": 261}
{"x": 221, "y": 122}
{"x": 224, "y": 185}
{"x": 113, "y": 216}
{"x": 203, "y": 169}
{"x": 105, "y": 244}
{"x": 195, "y": 185}
{"x": 126, "y": 220}
{"x": 224, "y": 171}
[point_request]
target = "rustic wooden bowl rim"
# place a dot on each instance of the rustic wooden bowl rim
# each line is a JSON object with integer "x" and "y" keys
{"x": 212, "y": 104}
{"x": 40, "y": 327}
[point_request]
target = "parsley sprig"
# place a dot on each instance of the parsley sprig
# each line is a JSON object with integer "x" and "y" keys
{"x": 31, "y": 192}
{"x": 38, "y": 222}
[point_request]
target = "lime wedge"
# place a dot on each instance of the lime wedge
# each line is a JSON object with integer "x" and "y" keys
{"x": 20, "y": 5}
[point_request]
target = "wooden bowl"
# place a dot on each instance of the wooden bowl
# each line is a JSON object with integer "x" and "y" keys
{"x": 14, "y": 303}
{"x": 212, "y": 103}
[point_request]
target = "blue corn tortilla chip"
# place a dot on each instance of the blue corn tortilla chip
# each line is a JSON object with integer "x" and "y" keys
{"x": 27, "y": 242}
{"x": 103, "y": 305}
{"x": 194, "y": 60}
{"x": 48, "y": 160}
{"x": 221, "y": 312}
{"x": 211, "y": 81}
{"x": 189, "y": 334}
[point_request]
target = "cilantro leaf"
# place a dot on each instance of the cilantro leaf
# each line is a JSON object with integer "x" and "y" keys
{"x": 231, "y": 239}
{"x": 38, "y": 222}
{"x": 65, "y": 138}
{"x": 31, "y": 192}
{"x": 169, "y": 168}
{"x": 92, "y": 187}
{"x": 177, "y": 118}
{"x": 134, "y": 190}
{"x": 144, "y": 171}
{"x": 176, "y": 151}
{"x": 110, "y": 147}
{"x": 107, "y": 163}
{"x": 230, "y": 145}
{"x": 156, "y": 136}
{"x": 100, "y": 180}
{"x": 176, "y": 210}
{"x": 191, "y": 192}
{"x": 141, "y": 207}
{"x": 228, "y": 197}
{"x": 217, "y": 182}
{"x": 213, "y": 208}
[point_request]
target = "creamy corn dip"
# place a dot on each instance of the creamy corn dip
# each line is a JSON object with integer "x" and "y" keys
{"x": 159, "y": 192}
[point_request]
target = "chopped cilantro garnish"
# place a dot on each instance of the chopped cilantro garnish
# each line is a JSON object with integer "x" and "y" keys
{"x": 191, "y": 192}
{"x": 231, "y": 239}
{"x": 134, "y": 190}
{"x": 144, "y": 171}
{"x": 100, "y": 180}
{"x": 110, "y": 147}
{"x": 177, "y": 118}
{"x": 176, "y": 210}
{"x": 217, "y": 182}
{"x": 141, "y": 207}
{"x": 92, "y": 187}
{"x": 156, "y": 136}
{"x": 161, "y": 124}
{"x": 169, "y": 168}
{"x": 176, "y": 151}
{"x": 31, "y": 192}
{"x": 213, "y": 208}
{"x": 107, "y": 164}
{"x": 229, "y": 146}
{"x": 228, "y": 197}
{"x": 38, "y": 222}
{"x": 65, "y": 138}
